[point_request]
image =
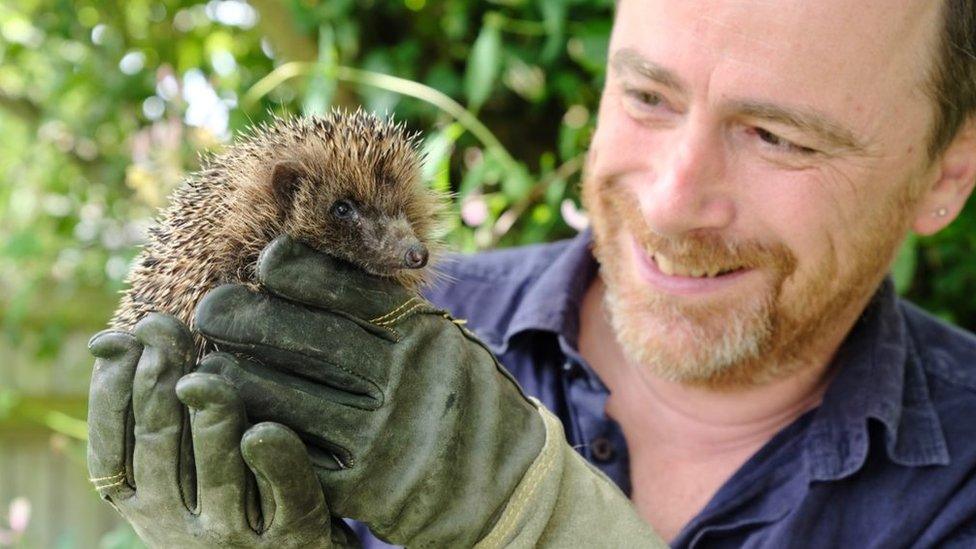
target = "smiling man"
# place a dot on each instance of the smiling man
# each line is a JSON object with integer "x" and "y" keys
{"x": 724, "y": 345}
{"x": 755, "y": 168}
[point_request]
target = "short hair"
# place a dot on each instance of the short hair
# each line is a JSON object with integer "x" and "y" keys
{"x": 952, "y": 83}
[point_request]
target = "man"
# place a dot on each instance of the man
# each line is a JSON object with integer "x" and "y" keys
{"x": 739, "y": 364}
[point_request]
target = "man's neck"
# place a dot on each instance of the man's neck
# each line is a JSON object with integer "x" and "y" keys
{"x": 688, "y": 421}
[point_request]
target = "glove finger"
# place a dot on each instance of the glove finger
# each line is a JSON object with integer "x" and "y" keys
{"x": 293, "y": 270}
{"x": 336, "y": 431}
{"x": 161, "y": 459}
{"x": 217, "y": 423}
{"x": 289, "y": 489}
{"x": 313, "y": 344}
{"x": 109, "y": 413}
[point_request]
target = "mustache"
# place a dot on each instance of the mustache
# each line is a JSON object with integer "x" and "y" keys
{"x": 703, "y": 249}
{"x": 710, "y": 251}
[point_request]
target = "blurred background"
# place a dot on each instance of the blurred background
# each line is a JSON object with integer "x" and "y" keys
{"x": 105, "y": 106}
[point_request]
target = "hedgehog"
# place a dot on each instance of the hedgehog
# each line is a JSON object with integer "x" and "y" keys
{"x": 346, "y": 184}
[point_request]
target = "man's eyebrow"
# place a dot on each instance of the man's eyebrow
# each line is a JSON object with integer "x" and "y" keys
{"x": 628, "y": 60}
{"x": 805, "y": 120}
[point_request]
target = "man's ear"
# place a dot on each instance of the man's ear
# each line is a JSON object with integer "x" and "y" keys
{"x": 955, "y": 176}
{"x": 284, "y": 182}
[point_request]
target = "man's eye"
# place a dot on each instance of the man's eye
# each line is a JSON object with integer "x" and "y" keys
{"x": 646, "y": 98}
{"x": 779, "y": 143}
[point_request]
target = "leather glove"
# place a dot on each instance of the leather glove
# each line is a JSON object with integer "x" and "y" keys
{"x": 140, "y": 458}
{"x": 413, "y": 426}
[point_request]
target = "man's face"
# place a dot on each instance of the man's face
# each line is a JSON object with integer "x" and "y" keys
{"x": 753, "y": 173}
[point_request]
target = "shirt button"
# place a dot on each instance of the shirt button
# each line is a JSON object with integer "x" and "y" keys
{"x": 602, "y": 449}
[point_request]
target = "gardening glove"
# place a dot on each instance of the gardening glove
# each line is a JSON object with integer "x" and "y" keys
{"x": 140, "y": 460}
{"x": 413, "y": 426}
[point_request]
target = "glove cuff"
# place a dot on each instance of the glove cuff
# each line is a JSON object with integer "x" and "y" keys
{"x": 563, "y": 501}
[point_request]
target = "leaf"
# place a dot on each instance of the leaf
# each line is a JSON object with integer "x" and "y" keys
{"x": 554, "y": 21}
{"x": 903, "y": 268}
{"x": 529, "y": 81}
{"x": 378, "y": 99}
{"x": 589, "y": 46}
{"x": 483, "y": 65}
{"x": 517, "y": 183}
{"x": 476, "y": 177}
{"x": 437, "y": 156}
{"x": 321, "y": 86}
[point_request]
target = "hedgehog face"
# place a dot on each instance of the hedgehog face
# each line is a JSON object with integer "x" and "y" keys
{"x": 381, "y": 222}
{"x": 381, "y": 242}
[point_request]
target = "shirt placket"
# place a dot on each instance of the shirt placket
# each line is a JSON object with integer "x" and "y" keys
{"x": 595, "y": 436}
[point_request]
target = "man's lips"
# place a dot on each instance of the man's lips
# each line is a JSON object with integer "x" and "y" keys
{"x": 682, "y": 284}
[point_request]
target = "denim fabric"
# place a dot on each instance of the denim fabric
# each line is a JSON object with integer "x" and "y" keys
{"x": 887, "y": 460}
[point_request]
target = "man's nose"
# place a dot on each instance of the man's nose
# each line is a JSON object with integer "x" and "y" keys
{"x": 688, "y": 187}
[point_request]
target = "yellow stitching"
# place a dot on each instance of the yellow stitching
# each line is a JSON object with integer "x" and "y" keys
{"x": 114, "y": 484}
{"x": 394, "y": 311}
{"x": 532, "y": 482}
{"x": 523, "y": 500}
{"x": 113, "y": 477}
{"x": 397, "y": 318}
{"x": 396, "y": 334}
{"x": 392, "y": 321}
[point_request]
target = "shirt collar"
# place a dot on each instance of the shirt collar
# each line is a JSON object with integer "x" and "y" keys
{"x": 879, "y": 373}
{"x": 879, "y": 377}
{"x": 552, "y": 303}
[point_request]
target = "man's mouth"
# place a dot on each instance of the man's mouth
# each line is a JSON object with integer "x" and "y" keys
{"x": 684, "y": 278}
{"x": 675, "y": 268}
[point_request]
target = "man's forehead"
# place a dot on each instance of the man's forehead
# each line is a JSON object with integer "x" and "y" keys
{"x": 860, "y": 61}
{"x": 827, "y": 32}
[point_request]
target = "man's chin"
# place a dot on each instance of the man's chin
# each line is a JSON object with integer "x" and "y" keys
{"x": 691, "y": 343}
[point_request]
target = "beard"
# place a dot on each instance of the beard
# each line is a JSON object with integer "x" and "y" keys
{"x": 744, "y": 338}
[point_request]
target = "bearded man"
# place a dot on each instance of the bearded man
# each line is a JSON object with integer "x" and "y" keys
{"x": 724, "y": 345}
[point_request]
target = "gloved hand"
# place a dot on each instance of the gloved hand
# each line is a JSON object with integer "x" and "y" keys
{"x": 140, "y": 460}
{"x": 414, "y": 427}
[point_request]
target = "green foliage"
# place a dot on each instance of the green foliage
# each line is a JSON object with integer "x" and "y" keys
{"x": 93, "y": 101}
{"x": 484, "y": 64}
{"x": 944, "y": 280}
{"x": 84, "y": 163}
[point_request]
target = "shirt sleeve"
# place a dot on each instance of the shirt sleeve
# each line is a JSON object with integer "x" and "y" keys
{"x": 369, "y": 541}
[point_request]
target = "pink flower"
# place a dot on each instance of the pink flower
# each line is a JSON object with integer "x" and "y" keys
{"x": 20, "y": 510}
{"x": 18, "y": 517}
{"x": 474, "y": 210}
{"x": 574, "y": 217}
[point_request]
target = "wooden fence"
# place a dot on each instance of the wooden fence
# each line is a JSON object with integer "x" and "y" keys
{"x": 44, "y": 466}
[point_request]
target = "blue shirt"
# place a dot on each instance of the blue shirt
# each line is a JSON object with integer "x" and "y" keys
{"x": 887, "y": 460}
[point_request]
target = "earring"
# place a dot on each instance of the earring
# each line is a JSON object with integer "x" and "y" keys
{"x": 942, "y": 212}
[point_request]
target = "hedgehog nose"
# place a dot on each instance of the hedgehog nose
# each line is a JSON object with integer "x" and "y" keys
{"x": 416, "y": 256}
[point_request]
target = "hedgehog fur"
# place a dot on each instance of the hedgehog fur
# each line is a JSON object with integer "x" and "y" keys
{"x": 289, "y": 176}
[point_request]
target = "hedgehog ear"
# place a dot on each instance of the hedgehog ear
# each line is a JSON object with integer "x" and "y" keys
{"x": 284, "y": 181}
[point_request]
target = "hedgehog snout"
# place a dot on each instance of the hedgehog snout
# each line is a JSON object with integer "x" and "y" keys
{"x": 416, "y": 256}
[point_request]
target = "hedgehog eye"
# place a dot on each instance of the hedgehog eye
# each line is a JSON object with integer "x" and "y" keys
{"x": 343, "y": 209}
